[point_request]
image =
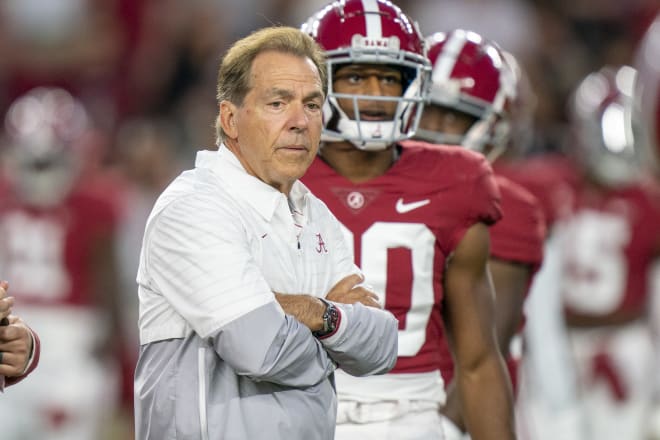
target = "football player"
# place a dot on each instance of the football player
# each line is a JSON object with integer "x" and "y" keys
{"x": 608, "y": 244}
{"x": 56, "y": 241}
{"x": 647, "y": 108}
{"x": 418, "y": 217}
{"x": 647, "y": 94}
{"x": 469, "y": 105}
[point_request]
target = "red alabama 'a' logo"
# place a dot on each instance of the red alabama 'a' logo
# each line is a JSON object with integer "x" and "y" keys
{"x": 321, "y": 245}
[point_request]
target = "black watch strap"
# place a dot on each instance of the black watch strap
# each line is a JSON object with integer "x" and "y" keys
{"x": 330, "y": 320}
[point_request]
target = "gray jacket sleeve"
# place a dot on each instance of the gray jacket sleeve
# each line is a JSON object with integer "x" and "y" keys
{"x": 293, "y": 357}
{"x": 366, "y": 343}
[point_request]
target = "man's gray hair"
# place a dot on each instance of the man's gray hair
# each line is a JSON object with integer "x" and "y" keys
{"x": 235, "y": 68}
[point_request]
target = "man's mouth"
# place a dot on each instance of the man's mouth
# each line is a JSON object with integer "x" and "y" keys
{"x": 374, "y": 116}
{"x": 294, "y": 147}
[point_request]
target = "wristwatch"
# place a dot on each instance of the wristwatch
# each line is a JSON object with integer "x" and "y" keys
{"x": 330, "y": 320}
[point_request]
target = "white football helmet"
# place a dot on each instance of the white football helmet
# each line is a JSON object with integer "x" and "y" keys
{"x": 603, "y": 130}
{"x": 45, "y": 131}
{"x": 371, "y": 32}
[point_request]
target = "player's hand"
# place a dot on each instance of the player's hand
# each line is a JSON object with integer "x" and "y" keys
{"x": 348, "y": 291}
{"x": 15, "y": 346}
{"x": 6, "y": 302}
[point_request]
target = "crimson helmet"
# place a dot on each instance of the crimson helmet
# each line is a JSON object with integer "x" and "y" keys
{"x": 603, "y": 127}
{"x": 647, "y": 93}
{"x": 514, "y": 127}
{"x": 467, "y": 77}
{"x": 45, "y": 129}
{"x": 371, "y": 32}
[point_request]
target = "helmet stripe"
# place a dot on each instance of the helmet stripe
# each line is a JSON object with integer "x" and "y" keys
{"x": 444, "y": 65}
{"x": 372, "y": 18}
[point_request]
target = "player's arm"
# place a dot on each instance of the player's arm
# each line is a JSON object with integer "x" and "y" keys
{"x": 481, "y": 380}
{"x": 103, "y": 266}
{"x": 510, "y": 280}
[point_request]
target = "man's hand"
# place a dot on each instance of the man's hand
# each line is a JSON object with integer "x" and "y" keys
{"x": 305, "y": 308}
{"x": 15, "y": 346}
{"x": 6, "y": 302}
{"x": 347, "y": 291}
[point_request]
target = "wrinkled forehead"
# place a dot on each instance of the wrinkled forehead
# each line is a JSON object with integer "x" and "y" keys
{"x": 269, "y": 68}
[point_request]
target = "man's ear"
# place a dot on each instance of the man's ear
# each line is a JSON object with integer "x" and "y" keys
{"x": 227, "y": 115}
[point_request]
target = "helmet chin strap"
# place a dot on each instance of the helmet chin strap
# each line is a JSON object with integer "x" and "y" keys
{"x": 365, "y": 135}
{"x": 438, "y": 137}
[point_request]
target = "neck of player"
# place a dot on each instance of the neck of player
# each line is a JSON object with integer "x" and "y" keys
{"x": 358, "y": 165}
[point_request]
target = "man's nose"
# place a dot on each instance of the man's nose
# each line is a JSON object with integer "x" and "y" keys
{"x": 299, "y": 119}
{"x": 373, "y": 85}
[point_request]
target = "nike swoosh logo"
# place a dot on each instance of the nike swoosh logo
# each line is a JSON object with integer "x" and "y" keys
{"x": 402, "y": 207}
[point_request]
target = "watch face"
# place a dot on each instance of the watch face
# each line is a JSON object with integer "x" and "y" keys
{"x": 333, "y": 315}
{"x": 330, "y": 319}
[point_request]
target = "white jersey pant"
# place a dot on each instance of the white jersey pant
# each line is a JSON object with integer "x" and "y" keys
{"x": 452, "y": 432}
{"x": 615, "y": 378}
{"x": 389, "y": 420}
{"x": 72, "y": 394}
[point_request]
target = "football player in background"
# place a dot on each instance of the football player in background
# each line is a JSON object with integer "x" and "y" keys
{"x": 647, "y": 108}
{"x": 647, "y": 94}
{"x": 56, "y": 247}
{"x": 608, "y": 244}
{"x": 418, "y": 217}
{"x": 473, "y": 90}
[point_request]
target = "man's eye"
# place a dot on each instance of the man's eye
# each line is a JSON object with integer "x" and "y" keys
{"x": 276, "y": 104}
{"x": 351, "y": 78}
{"x": 354, "y": 78}
{"x": 313, "y": 106}
{"x": 390, "y": 79}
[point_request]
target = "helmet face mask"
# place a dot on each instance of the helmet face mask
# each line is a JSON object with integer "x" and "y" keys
{"x": 370, "y": 33}
{"x": 444, "y": 125}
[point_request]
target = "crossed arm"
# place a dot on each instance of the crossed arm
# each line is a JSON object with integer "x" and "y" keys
{"x": 309, "y": 309}
{"x": 354, "y": 351}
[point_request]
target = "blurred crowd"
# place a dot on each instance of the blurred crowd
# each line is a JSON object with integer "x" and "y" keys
{"x": 141, "y": 81}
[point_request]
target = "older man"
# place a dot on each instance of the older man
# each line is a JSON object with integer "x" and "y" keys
{"x": 239, "y": 265}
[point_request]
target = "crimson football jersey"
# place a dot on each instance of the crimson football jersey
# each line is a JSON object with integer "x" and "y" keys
{"x": 404, "y": 225}
{"x": 518, "y": 238}
{"x": 45, "y": 253}
{"x": 611, "y": 240}
{"x": 551, "y": 178}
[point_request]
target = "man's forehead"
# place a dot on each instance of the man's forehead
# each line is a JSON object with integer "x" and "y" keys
{"x": 267, "y": 68}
